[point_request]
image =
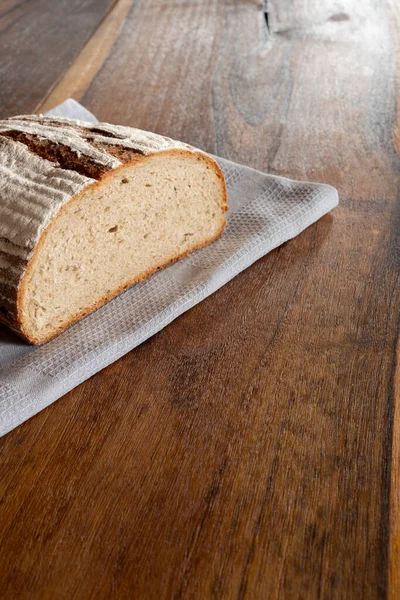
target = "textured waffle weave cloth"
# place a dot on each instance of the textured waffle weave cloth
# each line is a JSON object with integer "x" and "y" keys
{"x": 265, "y": 211}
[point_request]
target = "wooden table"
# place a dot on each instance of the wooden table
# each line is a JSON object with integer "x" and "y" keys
{"x": 251, "y": 448}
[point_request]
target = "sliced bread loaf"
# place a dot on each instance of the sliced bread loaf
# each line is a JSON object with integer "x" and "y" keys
{"x": 87, "y": 210}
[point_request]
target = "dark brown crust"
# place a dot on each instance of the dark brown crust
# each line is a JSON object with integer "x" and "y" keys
{"x": 60, "y": 154}
{"x": 11, "y": 277}
{"x": 68, "y": 159}
{"x": 6, "y": 319}
{"x": 12, "y": 245}
{"x": 18, "y": 326}
{"x": 15, "y": 261}
{"x": 123, "y": 154}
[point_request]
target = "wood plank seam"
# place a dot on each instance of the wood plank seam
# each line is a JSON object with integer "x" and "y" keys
{"x": 78, "y": 77}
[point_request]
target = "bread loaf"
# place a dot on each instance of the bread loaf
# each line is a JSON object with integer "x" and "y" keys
{"x": 87, "y": 210}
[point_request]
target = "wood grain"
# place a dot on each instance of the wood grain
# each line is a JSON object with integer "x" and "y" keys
{"x": 394, "y": 567}
{"x": 246, "y": 450}
{"x": 38, "y": 41}
{"x": 81, "y": 73}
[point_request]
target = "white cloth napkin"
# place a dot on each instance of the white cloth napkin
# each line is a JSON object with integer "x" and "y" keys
{"x": 265, "y": 211}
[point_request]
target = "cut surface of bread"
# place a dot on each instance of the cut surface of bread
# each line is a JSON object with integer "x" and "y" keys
{"x": 143, "y": 217}
{"x": 134, "y": 218}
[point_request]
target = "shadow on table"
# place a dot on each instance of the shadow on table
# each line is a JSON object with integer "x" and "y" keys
{"x": 9, "y": 337}
{"x": 12, "y": 347}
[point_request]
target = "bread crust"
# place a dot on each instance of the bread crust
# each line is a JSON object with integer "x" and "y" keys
{"x": 17, "y": 324}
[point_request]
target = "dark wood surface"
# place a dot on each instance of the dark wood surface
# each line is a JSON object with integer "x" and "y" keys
{"x": 250, "y": 449}
{"x": 39, "y": 39}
